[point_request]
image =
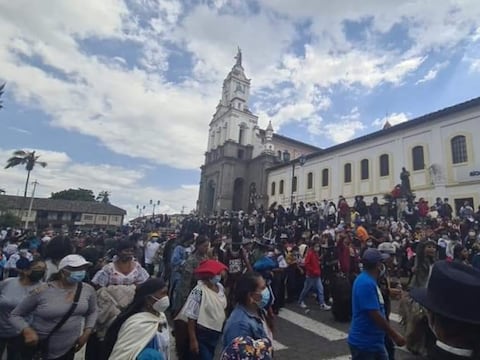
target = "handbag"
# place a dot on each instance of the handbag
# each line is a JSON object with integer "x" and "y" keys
{"x": 41, "y": 352}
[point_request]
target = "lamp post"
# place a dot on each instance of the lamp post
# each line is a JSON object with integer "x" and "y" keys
{"x": 140, "y": 209}
{"x": 153, "y": 203}
{"x": 301, "y": 160}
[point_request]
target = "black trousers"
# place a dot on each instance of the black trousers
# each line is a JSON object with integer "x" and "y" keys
{"x": 13, "y": 346}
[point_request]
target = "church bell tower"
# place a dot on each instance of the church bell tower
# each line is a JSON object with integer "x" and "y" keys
{"x": 233, "y": 135}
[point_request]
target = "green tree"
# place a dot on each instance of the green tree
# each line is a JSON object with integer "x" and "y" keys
{"x": 27, "y": 158}
{"x": 103, "y": 197}
{"x": 9, "y": 220}
{"x": 74, "y": 194}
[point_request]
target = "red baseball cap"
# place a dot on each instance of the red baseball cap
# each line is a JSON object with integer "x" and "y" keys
{"x": 210, "y": 268}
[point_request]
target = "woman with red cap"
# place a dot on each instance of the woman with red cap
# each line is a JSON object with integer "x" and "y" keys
{"x": 204, "y": 310}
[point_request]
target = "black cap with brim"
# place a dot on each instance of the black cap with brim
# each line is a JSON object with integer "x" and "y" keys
{"x": 453, "y": 291}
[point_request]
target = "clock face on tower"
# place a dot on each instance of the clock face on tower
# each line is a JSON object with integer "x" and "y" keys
{"x": 240, "y": 88}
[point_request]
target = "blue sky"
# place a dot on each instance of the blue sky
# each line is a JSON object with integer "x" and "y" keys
{"x": 117, "y": 95}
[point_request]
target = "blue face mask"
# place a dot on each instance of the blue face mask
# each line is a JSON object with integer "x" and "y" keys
{"x": 265, "y": 298}
{"x": 76, "y": 277}
{"x": 216, "y": 279}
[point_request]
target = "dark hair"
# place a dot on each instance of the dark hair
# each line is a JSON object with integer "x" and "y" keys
{"x": 141, "y": 293}
{"x": 201, "y": 240}
{"x": 58, "y": 248}
{"x": 124, "y": 245}
{"x": 247, "y": 283}
{"x": 369, "y": 265}
{"x": 457, "y": 251}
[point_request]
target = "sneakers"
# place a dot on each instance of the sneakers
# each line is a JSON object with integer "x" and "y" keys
{"x": 303, "y": 305}
{"x": 325, "y": 307}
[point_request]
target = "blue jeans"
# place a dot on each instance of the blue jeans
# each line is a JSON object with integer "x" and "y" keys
{"x": 358, "y": 354}
{"x": 207, "y": 342}
{"x": 312, "y": 283}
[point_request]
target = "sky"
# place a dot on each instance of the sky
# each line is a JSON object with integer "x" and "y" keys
{"x": 117, "y": 95}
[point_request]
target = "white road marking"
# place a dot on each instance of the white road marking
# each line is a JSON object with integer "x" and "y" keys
{"x": 277, "y": 346}
{"x": 395, "y": 317}
{"x": 313, "y": 326}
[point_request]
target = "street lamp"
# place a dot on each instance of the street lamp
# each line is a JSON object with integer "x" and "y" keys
{"x": 301, "y": 160}
{"x": 140, "y": 208}
{"x": 157, "y": 203}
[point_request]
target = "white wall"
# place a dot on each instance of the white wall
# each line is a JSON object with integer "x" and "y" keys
{"x": 453, "y": 180}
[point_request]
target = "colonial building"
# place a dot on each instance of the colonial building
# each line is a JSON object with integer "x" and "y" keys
{"x": 52, "y": 213}
{"x": 438, "y": 150}
{"x": 234, "y": 174}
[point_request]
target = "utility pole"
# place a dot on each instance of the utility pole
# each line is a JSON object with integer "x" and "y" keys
{"x": 183, "y": 210}
{"x": 35, "y": 183}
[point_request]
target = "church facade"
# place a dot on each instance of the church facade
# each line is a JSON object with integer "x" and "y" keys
{"x": 239, "y": 152}
{"x": 438, "y": 150}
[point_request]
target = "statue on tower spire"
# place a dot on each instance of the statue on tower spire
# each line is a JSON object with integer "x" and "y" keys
{"x": 238, "y": 57}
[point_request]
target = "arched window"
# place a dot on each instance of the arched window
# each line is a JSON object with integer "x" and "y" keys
{"x": 364, "y": 171}
{"x": 325, "y": 177}
{"x": 459, "y": 149}
{"x": 282, "y": 184}
{"x": 384, "y": 165}
{"x": 294, "y": 184}
{"x": 418, "y": 158}
{"x": 310, "y": 180}
{"x": 272, "y": 191}
{"x": 279, "y": 155}
{"x": 347, "y": 173}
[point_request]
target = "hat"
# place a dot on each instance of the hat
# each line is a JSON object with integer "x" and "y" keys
{"x": 152, "y": 235}
{"x": 373, "y": 256}
{"x": 387, "y": 248}
{"x": 210, "y": 268}
{"x": 23, "y": 264}
{"x": 73, "y": 261}
{"x": 452, "y": 291}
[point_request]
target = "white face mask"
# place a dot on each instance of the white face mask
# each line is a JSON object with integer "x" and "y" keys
{"x": 161, "y": 305}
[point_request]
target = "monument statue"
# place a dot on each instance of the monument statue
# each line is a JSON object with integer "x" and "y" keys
{"x": 252, "y": 197}
{"x": 405, "y": 185}
{"x": 238, "y": 57}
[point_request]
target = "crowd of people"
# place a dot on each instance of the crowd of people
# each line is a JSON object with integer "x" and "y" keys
{"x": 216, "y": 283}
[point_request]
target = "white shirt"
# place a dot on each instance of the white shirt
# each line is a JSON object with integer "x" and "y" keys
{"x": 150, "y": 250}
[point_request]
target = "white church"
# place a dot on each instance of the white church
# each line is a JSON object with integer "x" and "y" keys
{"x": 247, "y": 167}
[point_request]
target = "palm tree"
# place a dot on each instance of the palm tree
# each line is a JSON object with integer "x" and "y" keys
{"x": 2, "y": 88}
{"x": 103, "y": 197}
{"x": 27, "y": 158}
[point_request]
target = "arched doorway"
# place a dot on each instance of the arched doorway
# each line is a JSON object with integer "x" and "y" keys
{"x": 210, "y": 196}
{"x": 237, "y": 194}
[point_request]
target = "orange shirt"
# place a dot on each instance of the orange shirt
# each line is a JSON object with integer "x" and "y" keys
{"x": 362, "y": 233}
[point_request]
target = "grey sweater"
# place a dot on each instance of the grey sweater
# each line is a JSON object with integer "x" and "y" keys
{"x": 12, "y": 292}
{"x": 48, "y": 304}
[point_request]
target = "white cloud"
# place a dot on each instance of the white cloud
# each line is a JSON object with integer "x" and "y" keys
{"x": 342, "y": 131}
{"x": 393, "y": 119}
{"x": 132, "y": 108}
{"x": 125, "y": 185}
{"x": 475, "y": 65}
{"x": 432, "y": 73}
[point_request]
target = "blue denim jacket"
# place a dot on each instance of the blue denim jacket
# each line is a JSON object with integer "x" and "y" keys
{"x": 242, "y": 323}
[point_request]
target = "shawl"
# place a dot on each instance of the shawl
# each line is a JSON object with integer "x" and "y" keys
{"x": 135, "y": 334}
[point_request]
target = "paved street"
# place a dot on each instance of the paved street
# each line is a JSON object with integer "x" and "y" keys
{"x": 315, "y": 335}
